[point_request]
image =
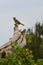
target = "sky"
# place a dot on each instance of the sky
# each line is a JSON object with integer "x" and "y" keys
{"x": 27, "y": 11}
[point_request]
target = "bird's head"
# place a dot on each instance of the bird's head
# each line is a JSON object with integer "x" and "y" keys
{"x": 23, "y": 32}
{"x": 14, "y": 18}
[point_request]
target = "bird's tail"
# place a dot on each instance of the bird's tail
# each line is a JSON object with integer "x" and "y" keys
{"x": 22, "y": 24}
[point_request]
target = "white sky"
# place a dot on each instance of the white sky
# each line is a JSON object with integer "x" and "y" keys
{"x": 27, "y": 11}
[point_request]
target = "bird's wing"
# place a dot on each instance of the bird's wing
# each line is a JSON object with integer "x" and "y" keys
{"x": 19, "y": 22}
{"x": 22, "y": 24}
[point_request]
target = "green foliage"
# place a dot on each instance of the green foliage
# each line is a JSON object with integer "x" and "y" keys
{"x": 18, "y": 56}
{"x": 35, "y": 41}
{"x": 40, "y": 62}
{"x": 28, "y": 38}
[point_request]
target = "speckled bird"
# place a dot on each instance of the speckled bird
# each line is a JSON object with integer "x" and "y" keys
{"x": 17, "y": 22}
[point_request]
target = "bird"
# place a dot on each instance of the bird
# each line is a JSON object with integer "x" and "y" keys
{"x": 17, "y": 22}
{"x": 23, "y": 32}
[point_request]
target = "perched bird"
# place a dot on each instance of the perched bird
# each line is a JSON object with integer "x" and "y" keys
{"x": 23, "y": 32}
{"x": 17, "y": 22}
